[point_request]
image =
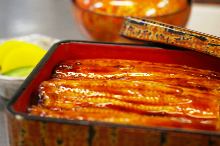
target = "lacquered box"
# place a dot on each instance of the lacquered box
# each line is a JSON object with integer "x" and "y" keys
{"x": 27, "y": 130}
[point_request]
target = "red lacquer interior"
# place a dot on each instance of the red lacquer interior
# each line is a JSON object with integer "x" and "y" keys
{"x": 86, "y": 50}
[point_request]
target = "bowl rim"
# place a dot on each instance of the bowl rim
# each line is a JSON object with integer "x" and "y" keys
{"x": 9, "y": 78}
{"x": 148, "y": 17}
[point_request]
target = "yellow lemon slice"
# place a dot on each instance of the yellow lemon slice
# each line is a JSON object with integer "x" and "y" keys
{"x": 19, "y": 72}
{"x": 7, "y": 47}
{"x": 20, "y": 54}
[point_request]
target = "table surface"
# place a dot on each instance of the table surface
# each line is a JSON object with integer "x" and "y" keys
{"x": 54, "y": 18}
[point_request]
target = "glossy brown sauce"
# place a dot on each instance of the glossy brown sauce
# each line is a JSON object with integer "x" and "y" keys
{"x": 131, "y": 92}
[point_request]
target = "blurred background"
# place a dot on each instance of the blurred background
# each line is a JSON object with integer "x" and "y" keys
{"x": 54, "y": 18}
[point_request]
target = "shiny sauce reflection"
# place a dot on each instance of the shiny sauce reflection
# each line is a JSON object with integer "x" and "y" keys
{"x": 132, "y": 92}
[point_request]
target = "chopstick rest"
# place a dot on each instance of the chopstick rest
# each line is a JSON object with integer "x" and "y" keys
{"x": 153, "y": 31}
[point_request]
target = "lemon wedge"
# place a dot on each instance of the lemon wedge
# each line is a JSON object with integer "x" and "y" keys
{"x": 19, "y": 72}
{"x": 18, "y": 54}
{"x": 7, "y": 47}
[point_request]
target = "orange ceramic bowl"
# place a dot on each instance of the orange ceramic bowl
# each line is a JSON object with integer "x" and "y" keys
{"x": 101, "y": 20}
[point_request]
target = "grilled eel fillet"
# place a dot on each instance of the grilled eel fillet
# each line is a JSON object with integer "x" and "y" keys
{"x": 131, "y": 92}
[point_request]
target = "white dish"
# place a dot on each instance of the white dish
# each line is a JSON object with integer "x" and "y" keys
{"x": 9, "y": 85}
